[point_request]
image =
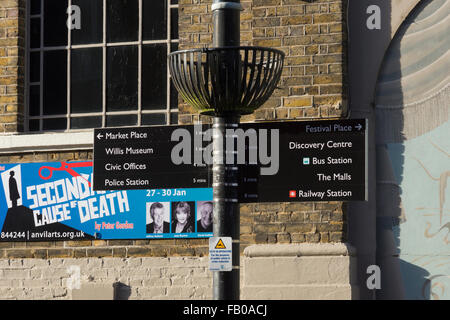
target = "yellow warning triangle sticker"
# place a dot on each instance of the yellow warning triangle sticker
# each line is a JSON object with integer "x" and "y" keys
{"x": 220, "y": 245}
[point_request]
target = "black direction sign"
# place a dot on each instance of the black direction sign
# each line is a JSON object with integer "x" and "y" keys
{"x": 318, "y": 161}
{"x": 140, "y": 158}
{"x": 288, "y": 161}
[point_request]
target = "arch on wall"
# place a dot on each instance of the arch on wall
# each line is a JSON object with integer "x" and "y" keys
{"x": 412, "y": 156}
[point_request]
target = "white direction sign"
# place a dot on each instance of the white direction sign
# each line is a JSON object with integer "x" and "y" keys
{"x": 220, "y": 254}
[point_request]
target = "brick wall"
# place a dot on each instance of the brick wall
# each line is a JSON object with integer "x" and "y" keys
{"x": 260, "y": 223}
{"x": 313, "y": 86}
{"x": 119, "y": 278}
{"x": 12, "y": 65}
{"x": 312, "y": 34}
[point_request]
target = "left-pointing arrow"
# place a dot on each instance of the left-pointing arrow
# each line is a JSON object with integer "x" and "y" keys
{"x": 99, "y": 136}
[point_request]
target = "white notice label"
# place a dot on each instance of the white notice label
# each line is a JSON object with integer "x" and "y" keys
{"x": 220, "y": 254}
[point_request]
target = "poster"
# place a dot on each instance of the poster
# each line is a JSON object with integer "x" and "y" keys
{"x": 55, "y": 201}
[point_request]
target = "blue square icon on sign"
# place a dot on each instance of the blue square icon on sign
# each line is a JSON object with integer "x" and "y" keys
{"x": 305, "y": 161}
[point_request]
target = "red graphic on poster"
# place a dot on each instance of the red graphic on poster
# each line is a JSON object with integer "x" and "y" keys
{"x": 65, "y": 166}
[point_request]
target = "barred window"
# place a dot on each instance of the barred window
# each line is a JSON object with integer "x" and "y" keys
{"x": 100, "y": 63}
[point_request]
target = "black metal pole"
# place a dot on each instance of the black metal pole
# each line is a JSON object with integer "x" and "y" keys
{"x": 223, "y": 83}
{"x": 226, "y": 207}
{"x": 226, "y": 22}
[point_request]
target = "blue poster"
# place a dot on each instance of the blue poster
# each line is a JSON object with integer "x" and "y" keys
{"x": 55, "y": 201}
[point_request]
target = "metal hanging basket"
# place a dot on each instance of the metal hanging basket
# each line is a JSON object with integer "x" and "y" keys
{"x": 226, "y": 80}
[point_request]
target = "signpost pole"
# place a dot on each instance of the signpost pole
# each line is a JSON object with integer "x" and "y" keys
{"x": 236, "y": 81}
{"x": 226, "y": 223}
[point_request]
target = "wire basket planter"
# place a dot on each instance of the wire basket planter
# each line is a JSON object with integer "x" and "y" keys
{"x": 226, "y": 80}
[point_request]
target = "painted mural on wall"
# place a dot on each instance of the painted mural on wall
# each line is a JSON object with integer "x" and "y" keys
{"x": 413, "y": 150}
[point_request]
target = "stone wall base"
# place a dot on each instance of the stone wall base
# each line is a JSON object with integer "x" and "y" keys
{"x": 299, "y": 271}
{"x": 291, "y": 272}
{"x": 137, "y": 278}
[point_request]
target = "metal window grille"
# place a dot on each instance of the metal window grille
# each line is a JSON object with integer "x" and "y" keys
{"x": 170, "y": 113}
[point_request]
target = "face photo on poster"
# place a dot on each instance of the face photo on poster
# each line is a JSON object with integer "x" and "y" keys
{"x": 157, "y": 217}
{"x": 12, "y": 186}
{"x": 183, "y": 215}
{"x": 204, "y": 216}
